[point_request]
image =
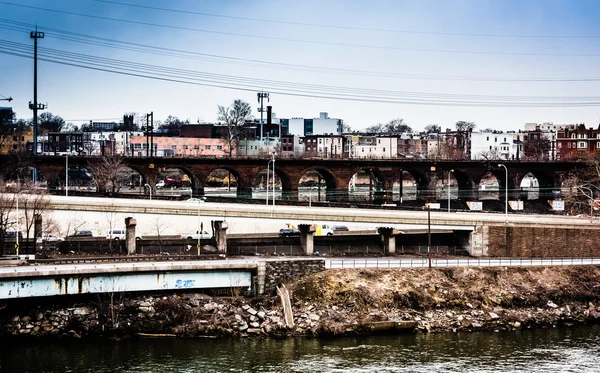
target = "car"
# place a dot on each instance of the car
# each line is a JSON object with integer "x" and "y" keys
{"x": 84, "y": 233}
{"x": 289, "y": 232}
{"x": 201, "y": 199}
{"x": 160, "y": 184}
{"x": 118, "y": 234}
{"x": 47, "y": 237}
{"x": 339, "y": 228}
{"x": 197, "y": 235}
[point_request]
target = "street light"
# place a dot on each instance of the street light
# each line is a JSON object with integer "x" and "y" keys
{"x": 200, "y": 227}
{"x": 149, "y": 190}
{"x": 591, "y": 202}
{"x": 67, "y": 174}
{"x": 505, "y": 192}
{"x": 267, "y": 183}
{"x": 451, "y": 171}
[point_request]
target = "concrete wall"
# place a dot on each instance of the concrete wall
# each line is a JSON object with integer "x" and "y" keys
{"x": 278, "y": 272}
{"x": 506, "y": 241}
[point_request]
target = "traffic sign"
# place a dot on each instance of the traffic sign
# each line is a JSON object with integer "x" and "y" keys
{"x": 197, "y": 246}
{"x": 17, "y": 246}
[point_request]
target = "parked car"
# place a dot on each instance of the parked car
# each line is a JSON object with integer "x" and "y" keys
{"x": 118, "y": 234}
{"x": 289, "y": 232}
{"x": 47, "y": 237}
{"x": 160, "y": 184}
{"x": 202, "y": 235}
{"x": 81, "y": 234}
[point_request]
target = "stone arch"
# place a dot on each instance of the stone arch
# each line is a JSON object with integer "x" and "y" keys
{"x": 546, "y": 182}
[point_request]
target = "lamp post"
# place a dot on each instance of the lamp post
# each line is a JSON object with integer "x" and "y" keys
{"x": 199, "y": 227}
{"x": 67, "y": 174}
{"x": 505, "y": 192}
{"x": 273, "y": 178}
{"x": 267, "y": 182}
{"x": 591, "y": 202}
{"x": 451, "y": 171}
{"x": 429, "y": 234}
{"x": 149, "y": 190}
{"x": 17, "y": 231}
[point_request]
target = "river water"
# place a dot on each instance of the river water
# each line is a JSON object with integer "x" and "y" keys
{"x": 545, "y": 350}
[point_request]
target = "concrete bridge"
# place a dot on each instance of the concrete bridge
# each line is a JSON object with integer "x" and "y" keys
{"x": 336, "y": 173}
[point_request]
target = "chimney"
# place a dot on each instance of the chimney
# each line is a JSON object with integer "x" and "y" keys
{"x": 269, "y": 115}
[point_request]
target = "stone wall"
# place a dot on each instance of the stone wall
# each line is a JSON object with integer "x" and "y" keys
{"x": 507, "y": 241}
{"x": 282, "y": 271}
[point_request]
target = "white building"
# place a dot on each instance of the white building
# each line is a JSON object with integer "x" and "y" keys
{"x": 252, "y": 147}
{"x": 323, "y": 125}
{"x": 496, "y": 145}
{"x": 362, "y": 146}
{"x": 118, "y": 141}
{"x": 324, "y": 146}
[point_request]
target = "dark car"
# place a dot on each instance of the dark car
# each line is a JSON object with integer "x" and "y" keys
{"x": 288, "y": 232}
{"x": 339, "y": 228}
{"x": 82, "y": 234}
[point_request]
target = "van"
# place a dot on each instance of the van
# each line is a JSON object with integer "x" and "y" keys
{"x": 118, "y": 234}
{"x": 323, "y": 230}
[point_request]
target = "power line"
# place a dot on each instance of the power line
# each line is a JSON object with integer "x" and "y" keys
{"x": 364, "y": 46}
{"x": 320, "y": 25}
{"x": 290, "y": 88}
{"x": 144, "y": 48}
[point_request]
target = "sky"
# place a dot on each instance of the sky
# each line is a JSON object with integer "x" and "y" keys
{"x": 500, "y": 64}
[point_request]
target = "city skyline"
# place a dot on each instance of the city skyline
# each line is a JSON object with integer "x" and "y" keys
{"x": 493, "y": 63}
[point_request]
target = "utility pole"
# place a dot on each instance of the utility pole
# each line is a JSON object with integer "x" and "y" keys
{"x": 35, "y": 35}
{"x": 150, "y": 133}
{"x": 261, "y": 96}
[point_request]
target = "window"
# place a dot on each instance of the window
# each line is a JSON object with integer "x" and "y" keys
{"x": 219, "y": 147}
{"x": 559, "y": 145}
{"x": 569, "y": 145}
{"x": 490, "y": 147}
{"x": 174, "y": 147}
{"x": 185, "y": 146}
{"x": 574, "y": 144}
{"x": 196, "y": 147}
{"x": 573, "y": 135}
{"x": 137, "y": 146}
{"x": 378, "y": 141}
{"x": 598, "y": 145}
{"x": 581, "y": 136}
{"x": 495, "y": 139}
{"x": 384, "y": 150}
{"x": 207, "y": 147}
{"x": 505, "y": 139}
{"x": 487, "y": 138}
{"x": 582, "y": 145}
{"x": 320, "y": 141}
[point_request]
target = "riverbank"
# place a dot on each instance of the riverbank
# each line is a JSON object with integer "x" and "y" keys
{"x": 333, "y": 303}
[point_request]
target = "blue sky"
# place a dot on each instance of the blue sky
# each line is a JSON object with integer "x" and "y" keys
{"x": 414, "y": 50}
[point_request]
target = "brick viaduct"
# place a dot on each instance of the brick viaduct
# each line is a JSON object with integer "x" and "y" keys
{"x": 336, "y": 173}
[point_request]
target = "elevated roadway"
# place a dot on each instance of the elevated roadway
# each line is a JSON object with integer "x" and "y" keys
{"x": 399, "y": 219}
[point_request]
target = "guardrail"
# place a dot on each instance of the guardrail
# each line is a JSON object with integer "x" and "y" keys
{"x": 123, "y": 259}
{"x": 454, "y": 262}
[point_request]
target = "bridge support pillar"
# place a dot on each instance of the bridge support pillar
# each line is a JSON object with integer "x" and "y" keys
{"x": 307, "y": 238}
{"x": 244, "y": 192}
{"x": 130, "y": 243}
{"x": 388, "y": 238}
{"x": 220, "y": 228}
{"x": 261, "y": 275}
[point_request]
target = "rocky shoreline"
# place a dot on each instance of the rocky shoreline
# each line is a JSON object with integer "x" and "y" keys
{"x": 336, "y": 303}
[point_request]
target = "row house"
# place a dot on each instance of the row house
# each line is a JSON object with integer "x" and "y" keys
{"x": 17, "y": 142}
{"x": 180, "y": 147}
{"x": 496, "y": 145}
{"x": 324, "y": 146}
{"x": 577, "y": 141}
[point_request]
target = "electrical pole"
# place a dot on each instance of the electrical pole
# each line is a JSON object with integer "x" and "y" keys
{"x": 261, "y": 96}
{"x": 150, "y": 133}
{"x": 35, "y": 35}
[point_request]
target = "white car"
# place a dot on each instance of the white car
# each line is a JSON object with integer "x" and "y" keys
{"x": 202, "y": 235}
{"x": 49, "y": 238}
{"x": 118, "y": 234}
{"x": 160, "y": 184}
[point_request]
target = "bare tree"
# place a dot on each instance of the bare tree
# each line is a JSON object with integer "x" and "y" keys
{"x": 463, "y": 136}
{"x": 232, "y": 118}
{"x": 433, "y": 128}
{"x": 7, "y": 205}
{"x": 110, "y": 172}
{"x": 32, "y": 204}
{"x": 159, "y": 227}
{"x": 393, "y": 127}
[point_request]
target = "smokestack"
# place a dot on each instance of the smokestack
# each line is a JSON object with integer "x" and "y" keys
{"x": 269, "y": 119}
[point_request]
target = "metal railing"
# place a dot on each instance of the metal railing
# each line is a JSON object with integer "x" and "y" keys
{"x": 457, "y": 262}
